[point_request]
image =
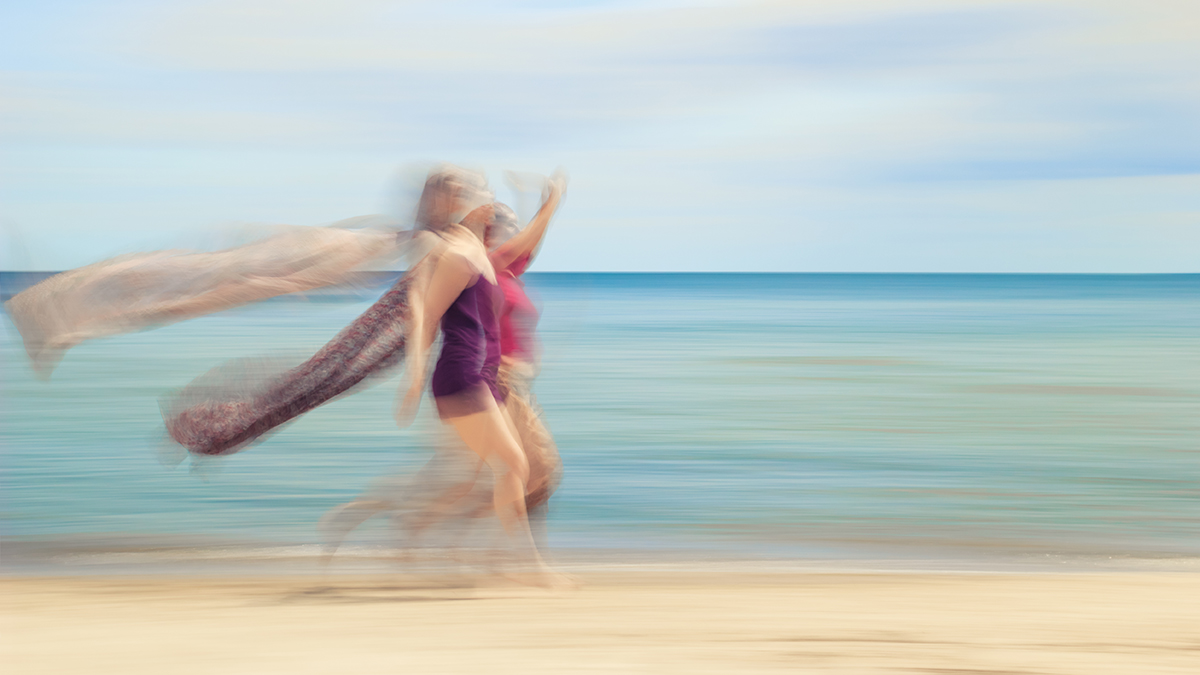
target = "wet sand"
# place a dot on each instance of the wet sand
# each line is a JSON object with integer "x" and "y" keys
{"x": 631, "y": 622}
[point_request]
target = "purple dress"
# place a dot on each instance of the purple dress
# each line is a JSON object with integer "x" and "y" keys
{"x": 465, "y": 376}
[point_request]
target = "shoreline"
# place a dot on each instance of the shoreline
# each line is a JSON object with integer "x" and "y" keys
{"x": 67, "y": 558}
{"x": 617, "y": 622}
{"x": 112, "y": 554}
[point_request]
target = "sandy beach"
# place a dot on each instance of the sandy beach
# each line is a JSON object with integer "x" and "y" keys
{"x": 629, "y": 622}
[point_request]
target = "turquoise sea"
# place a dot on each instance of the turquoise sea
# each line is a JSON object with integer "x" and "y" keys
{"x": 702, "y": 416}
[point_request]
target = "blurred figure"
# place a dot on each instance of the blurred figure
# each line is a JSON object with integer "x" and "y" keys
{"x": 449, "y": 498}
{"x": 453, "y": 288}
{"x": 461, "y": 496}
{"x": 462, "y": 296}
{"x": 512, "y": 253}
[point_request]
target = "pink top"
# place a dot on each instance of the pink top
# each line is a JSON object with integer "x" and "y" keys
{"x": 518, "y": 315}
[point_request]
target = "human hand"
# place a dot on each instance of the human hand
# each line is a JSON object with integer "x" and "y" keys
{"x": 556, "y": 184}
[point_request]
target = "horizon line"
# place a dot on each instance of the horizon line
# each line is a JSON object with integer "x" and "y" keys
{"x": 776, "y": 272}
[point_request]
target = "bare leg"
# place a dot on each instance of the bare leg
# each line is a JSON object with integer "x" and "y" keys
{"x": 537, "y": 525}
{"x": 415, "y": 502}
{"x": 444, "y": 503}
{"x": 489, "y": 434}
{"x": 545, "y": 466}
{"x": 341, "y": 520}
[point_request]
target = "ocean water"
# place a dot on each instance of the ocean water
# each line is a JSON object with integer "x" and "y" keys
{"x": 758, "y": 416}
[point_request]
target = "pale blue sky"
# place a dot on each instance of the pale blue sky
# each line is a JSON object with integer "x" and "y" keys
{"x": 859, "y": 135}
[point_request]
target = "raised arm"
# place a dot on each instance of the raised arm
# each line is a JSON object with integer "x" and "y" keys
{"x": 527, "y": 241}
{"x": 431, "y": 295}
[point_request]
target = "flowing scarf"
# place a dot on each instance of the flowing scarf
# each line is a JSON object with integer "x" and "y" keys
{"x": 144, "y": 290}
{"x": 237, "y": 404}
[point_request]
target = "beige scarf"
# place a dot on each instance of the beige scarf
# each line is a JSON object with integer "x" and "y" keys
{"x": 143, "y": 290}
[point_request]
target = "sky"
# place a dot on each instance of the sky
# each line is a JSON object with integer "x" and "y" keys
{"x": 848, "y": 136}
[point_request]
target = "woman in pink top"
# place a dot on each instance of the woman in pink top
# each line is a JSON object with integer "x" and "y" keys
{"x": 511, "y": 256}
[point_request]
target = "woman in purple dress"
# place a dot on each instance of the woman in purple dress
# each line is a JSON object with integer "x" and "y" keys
{"x": 446, "y": 491}
{"x": 459, "y": 294}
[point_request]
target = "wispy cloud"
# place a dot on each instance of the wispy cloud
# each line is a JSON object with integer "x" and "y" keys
{"x": 670, "y": 111}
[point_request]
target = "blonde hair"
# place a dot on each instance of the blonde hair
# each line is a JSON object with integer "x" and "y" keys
{"x": 504, "y": 225}
{"x": 468, "y": 188}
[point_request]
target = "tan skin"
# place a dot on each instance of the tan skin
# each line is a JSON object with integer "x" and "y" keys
{"x": 527, "y": 242}
{"x": 451, "y": 499}
{"x": 529, "y": 239}
{"x": 488, "y": 433}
